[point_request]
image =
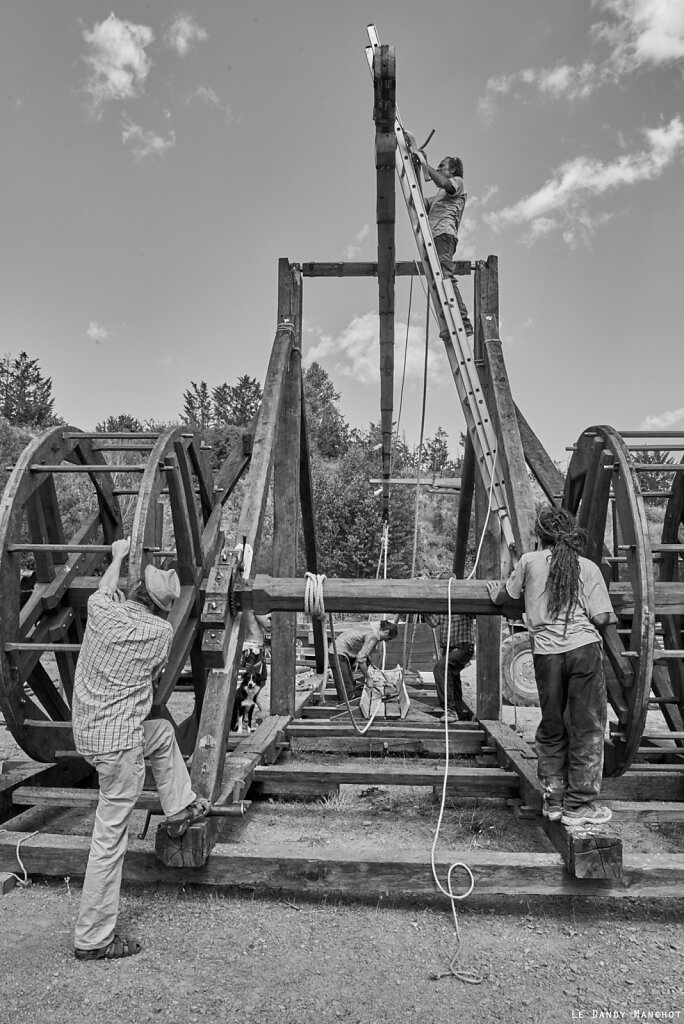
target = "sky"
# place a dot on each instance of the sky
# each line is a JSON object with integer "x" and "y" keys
{"x": 158, "y": 160}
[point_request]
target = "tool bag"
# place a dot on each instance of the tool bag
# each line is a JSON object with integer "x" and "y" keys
{"x": 384, "y": 694}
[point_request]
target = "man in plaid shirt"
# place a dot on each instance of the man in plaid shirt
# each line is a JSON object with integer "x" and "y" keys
{"x": 457, "y": 633}
{"x": 125, "y": 648}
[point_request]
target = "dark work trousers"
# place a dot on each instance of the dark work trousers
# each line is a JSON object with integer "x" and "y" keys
{"x": 458, "y": 659}
{"x": 569, "y": 740}
{"x": 445, "y": 247}
{"x": 347, "y": 682}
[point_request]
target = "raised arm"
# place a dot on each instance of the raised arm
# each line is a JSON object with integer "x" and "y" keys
{"x": 110, "y": 580}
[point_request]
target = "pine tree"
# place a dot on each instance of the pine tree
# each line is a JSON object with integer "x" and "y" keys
{"x": 197, "y": 408}
{"x": 25, "y": 394}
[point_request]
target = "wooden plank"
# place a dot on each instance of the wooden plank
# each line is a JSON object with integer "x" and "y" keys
{"x": 624, "y": 810}
{"x": 544, "y": 469}
{"x": 403, "y": 268}
{"x": 286, "y": 494}
{"x": 511, "y": 456}
{"x": 54, "y": 775}
{"x": 360, "y": 872}
{"x": 465, "y": 782}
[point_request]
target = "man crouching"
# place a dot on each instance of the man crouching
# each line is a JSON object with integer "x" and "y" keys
{"x": 125, "y": 647}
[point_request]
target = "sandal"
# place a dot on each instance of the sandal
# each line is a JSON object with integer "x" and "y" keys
{"x": 196, "y": 811}
{"x": 115, "y": 950}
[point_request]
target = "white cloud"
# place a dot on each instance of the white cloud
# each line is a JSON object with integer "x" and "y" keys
{"x": 352, "y": 250}
{"x": 355, "y": 352}
{"x": 562, "y": 202}
{"x": 560, "y": 82}
{"x": 664, "y": 420}
{"x": 205, "y": 94}
{"x": 642, "y": 32}
{"x": 117, "y": 62}
{"x": 143, "y": 143}
{"x": 183, "y": 33}
{"x": 632, "y": 34}
{"x": 96, "y": 332}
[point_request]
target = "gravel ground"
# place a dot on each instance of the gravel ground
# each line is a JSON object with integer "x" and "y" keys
{"x": 232, "y": 958}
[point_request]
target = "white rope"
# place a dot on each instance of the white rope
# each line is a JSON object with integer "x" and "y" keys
{"x": 469, "y": 976}
{"x": 315, "y": 609}
{"x": 25, "y": 880}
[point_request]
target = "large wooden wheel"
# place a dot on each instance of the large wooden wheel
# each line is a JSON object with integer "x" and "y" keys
{"x": 644, "y": 655}
{"x": 158, "y": 489}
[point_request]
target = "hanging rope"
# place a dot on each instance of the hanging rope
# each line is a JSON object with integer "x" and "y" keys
{"x": 468, "y": 975}
{"x": 315, "y": 609}
{"x": 23, "y": 839}
{"x": 406, "y": 341}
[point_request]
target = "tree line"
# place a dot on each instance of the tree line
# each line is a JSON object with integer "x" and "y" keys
{"x": 344, "y": 460}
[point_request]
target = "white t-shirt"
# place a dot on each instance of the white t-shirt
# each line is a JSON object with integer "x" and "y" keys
{"x": 551, "y": 636}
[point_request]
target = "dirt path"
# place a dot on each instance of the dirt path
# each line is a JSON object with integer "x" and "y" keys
{"x": 232, "y": 958}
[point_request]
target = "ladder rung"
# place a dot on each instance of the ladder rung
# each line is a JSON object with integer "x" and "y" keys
{"x": 44, "y": 723}
{"x": 118, "y": 435}
{"x": 69, "y": 468}
{"x": 662, "y": 736}
{"x": 658, "y": 655}
{"x": 86, "y": 549}
{"x": 646, "y": 467}
{"x": 665, "y": 700}
{"x": 55, "y": 648}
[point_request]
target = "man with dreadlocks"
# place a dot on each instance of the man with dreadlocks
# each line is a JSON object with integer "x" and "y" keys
{"x": 567, "y": 609}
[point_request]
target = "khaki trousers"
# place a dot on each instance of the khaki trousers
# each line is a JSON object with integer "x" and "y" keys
{"x": 121, "y": 776}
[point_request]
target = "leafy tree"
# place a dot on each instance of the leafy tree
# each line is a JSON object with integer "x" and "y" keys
{"x": 236, "y": 404}
{"x": 25, "y": 394}
{"x": 327, "y": 428}
{"x": 197, "y": 407}
{"x": 123, "y": 423}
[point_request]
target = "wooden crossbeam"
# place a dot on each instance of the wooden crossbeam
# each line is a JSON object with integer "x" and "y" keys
{"x": 402, "y": 268}
{"x": 359, "y": 872}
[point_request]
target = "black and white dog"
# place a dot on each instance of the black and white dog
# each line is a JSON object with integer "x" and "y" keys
{"x": 254, "y": 669}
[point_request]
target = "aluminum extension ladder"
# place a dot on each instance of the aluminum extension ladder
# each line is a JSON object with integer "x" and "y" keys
{"x": 457, "y": 343}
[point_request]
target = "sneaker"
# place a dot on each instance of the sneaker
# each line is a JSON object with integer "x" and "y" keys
{"x": 451, "y": 716}
{"x": 589, "y": 814}
{"x": 552, "y": 809}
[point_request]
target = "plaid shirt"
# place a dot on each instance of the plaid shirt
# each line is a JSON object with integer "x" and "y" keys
{"x": 460, "y": 634}
{"x": 124, "y": 649}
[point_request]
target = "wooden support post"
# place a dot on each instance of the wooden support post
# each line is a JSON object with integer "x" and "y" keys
{"x": 286, "y": 494}
{"x": 511, "y": 457}
{"x": 384, "y": 114}
{"x": 488, "y": 661}
{"x": 224, "y": 632}
{"x": 465, "y": 508}
{"x": 309, "y": 528}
